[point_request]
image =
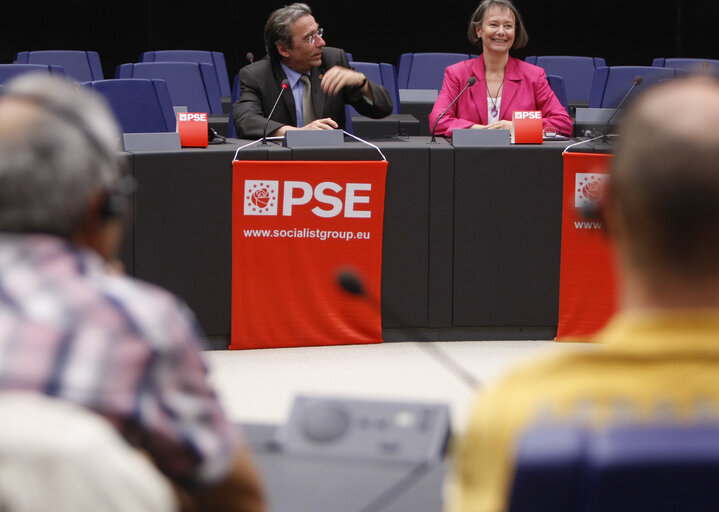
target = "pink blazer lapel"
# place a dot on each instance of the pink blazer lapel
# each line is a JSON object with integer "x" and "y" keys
{"x": 478, "y": 92}
{"x": 512, "y": 81}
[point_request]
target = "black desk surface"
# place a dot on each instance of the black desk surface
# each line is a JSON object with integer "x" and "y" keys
{"x": 471, "y": 235}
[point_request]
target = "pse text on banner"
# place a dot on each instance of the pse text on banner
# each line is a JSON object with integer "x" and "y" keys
{"x": 295, "y": 225}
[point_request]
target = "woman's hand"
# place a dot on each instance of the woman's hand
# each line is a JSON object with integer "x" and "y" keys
{"x": 500, "y": 125}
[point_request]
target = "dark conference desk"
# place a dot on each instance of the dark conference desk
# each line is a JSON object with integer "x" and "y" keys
{"x": 471, "y": 235}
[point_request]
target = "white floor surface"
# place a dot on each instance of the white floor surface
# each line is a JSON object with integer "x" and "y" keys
{"x": 258, "y": 386}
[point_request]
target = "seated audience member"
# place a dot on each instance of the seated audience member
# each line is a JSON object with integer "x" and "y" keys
{"x": 320, "y": 79}
{"x": 659, "y": 354}
{"x": 59, "y": 456}
{"x": 504, "y": 84}
{"x": 71, "y": 329}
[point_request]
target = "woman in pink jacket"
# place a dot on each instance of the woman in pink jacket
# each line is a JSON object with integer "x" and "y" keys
{"x": 503, "y": 84}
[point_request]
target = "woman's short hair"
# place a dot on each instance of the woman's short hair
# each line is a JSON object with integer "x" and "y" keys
{"x": 277, "y": 28}
{"x": 520, "y": 33}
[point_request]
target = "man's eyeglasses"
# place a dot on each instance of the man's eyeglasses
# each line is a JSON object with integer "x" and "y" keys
{"x": 310, "y": 39}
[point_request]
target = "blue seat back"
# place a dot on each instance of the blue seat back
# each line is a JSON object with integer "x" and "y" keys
{"x": 349, "y": 127}
{"x": 619, "y": 468}
{"x": 190, "y": 84}
{"x": 694, "y": 66}
{"x": 558, "y": 86}
{"x": 576, "y": 71}
{"x": 231, "y": 131}
{"x": 660, "y": 469}
{"x": 548, "y": 468}
{"x": 82, "y": 66}
{"x": 425, "y": 70}
{"x": 381, "y": 73}
{"x": 610, "y": 84}
{"x": 140, "y": 105}
{"x": 217, "y": 59}
{"x": 9, "y": 71}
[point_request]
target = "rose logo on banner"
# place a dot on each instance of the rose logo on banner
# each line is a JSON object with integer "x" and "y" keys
{"x": 589, "y": 188}
{"x": 261, "y": 197}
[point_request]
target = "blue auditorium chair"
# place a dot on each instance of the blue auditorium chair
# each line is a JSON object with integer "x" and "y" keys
{"x": 217, "y": 59}
{"x": 558, "y": 86}
{"x": 618, "y": 468}
{"x": 8, "y": 71}
{"x": 425, "y": 70}
{"x": 660, "y": 469}
{"x": 694, "y": 66}
{"x": 576, "y": 71}
{"x": 380, "y": 73}
{"x": 231, "y": 131}
{"x": 190, "y": 84}
{"x": 610, "y": 84}
{"x": 140, "y": 105}
{"x": 549, "y": 461}
{"x": 83, "y": 66}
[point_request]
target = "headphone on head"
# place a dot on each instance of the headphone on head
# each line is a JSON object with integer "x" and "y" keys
{"x": 117, "y": 200}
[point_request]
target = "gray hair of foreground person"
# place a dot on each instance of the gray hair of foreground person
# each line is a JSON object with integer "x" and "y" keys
{"x": 663, "y": 198}
{"x": 58, "y": 147}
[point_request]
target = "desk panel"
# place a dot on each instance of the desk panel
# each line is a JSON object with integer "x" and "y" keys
{"x": 507, "y": 234}
{"x": 321, "y": 484}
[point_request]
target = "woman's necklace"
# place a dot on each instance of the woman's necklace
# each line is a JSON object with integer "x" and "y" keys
{"x": 494, "y": 99}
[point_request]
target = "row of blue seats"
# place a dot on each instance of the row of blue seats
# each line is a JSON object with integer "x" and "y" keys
{"x": 414, "y": 71}
{"x": 85, "y": 66}
{"x": 619, "y": 467}
{"x": 199, "y": 86}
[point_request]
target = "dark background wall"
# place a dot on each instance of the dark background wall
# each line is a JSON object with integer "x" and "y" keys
{"x": 621, "y": 31}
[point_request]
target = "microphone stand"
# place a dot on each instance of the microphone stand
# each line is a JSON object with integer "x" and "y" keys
{"x": 470, "y": 81}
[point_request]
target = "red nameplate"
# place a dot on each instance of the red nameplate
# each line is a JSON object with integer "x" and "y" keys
{"x": 527, "y": 127}
{"x": 192, "y": 127}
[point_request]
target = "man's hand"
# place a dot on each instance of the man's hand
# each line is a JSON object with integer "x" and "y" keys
{"x": 326, "y": 123}
{"x": 338, "y": 77}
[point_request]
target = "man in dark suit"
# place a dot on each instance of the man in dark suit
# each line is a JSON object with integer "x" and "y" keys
{"x": 297, "y": 52}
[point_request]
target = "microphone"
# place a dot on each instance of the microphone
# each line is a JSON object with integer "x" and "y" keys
{"x": 250, "y": 57}
{"x": 637, "y": 81}
{"x": 283, "y": 85}
{"x": 470, "y": 82}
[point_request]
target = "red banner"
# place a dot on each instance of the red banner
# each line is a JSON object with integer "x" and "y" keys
{"x": 295, "y": 225}
{"x": 586, "y": 279}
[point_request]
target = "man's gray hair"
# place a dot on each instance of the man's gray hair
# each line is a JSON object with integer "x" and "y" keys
{"x": 277, "y": 28}
{"x": 54, "y": 156}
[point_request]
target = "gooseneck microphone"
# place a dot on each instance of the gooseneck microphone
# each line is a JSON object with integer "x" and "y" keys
{"x": 470, "y": 82}
{"x": 637, "y": 81}
{"x": 283, "y": 86}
